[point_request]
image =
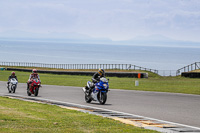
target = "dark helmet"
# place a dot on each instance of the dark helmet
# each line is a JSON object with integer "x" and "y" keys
{"x": 34, "y": 71}
{"x": 101, "y": 72}
{"x": 13, "y": 73}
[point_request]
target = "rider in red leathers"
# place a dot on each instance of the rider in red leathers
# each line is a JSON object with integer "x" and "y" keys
{"x": 34, "y": 74}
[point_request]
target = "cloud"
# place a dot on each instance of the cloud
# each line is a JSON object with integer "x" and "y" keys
{"x": 116, "y": 19}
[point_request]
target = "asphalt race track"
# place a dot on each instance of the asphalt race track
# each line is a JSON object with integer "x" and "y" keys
{"x": 178, "y": 108}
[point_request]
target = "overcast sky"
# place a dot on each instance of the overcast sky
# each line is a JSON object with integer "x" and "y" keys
{"x": 114, "y": 19}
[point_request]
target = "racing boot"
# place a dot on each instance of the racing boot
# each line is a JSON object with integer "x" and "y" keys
{"x": 8, "y": 85}
{"x": 27, "y": 86}
{"x": 85, "y": 89}
{"x": 90, "y": 90}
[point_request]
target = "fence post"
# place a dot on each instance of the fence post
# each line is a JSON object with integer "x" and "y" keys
{"x": 191, "y": 67}
{"x": 195, "y": 66}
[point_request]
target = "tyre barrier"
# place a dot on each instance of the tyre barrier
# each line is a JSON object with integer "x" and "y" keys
{"x": 2, "y": 68}
{"x": 108, "y": 74}
{"x": 191, "y": 74}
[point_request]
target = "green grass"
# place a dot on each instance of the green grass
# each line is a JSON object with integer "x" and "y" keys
{"x": 20, "y": 116}
{"x": 155, "y": 83}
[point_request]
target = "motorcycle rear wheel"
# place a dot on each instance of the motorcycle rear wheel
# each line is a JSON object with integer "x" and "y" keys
{"x": 102, "y": 97}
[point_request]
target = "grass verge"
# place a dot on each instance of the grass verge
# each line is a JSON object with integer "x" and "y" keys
{"x": 20, "y": 116}
{"x": 198, "y": 70}
{"x": 160, "y": 84}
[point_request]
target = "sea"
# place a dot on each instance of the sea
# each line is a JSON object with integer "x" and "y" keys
{"x": 162, "y": 58}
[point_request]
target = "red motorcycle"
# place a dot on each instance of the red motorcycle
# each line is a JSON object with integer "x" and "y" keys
{"x": 34, "y": 87}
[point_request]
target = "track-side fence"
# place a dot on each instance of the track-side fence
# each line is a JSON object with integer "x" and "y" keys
{"x": 188, "y": 68}
{"x": 79, "y": 66}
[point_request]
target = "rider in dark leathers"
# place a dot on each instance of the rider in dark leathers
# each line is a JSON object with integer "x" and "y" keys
{"x": 96, "y": 78}
{"x": 10, "y": 77}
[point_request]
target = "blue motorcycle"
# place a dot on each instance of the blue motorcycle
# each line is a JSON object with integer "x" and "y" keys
{"x": 99, "y": 91}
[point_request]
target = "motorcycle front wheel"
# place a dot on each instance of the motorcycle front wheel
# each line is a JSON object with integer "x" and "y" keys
{"x": 13, "y": 88}
{"x": 102, "y": 97}
{"x": 36, "y": 91}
